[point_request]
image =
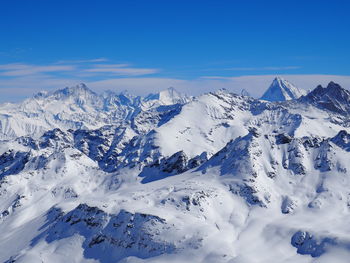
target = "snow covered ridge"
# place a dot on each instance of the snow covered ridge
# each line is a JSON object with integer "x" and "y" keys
{"x": 216, "y": 178}
{"x": 78, "y": 107}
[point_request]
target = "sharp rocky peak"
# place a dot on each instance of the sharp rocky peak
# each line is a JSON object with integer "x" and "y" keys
{"x": 332, "y": 89}
{"x": 281, "y": 90}
{"x": 333, "y": 98}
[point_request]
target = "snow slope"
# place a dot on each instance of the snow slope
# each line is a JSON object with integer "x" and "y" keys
{"x": 216, "y": 178}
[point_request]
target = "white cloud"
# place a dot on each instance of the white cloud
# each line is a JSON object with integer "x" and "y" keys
{"x": 36, "y": 83}
{"x": 87, "y": 69}
{"x": 79, "y": 61}
{"x": 12, "y": 66}
{"x": 111, "y": 65}
{"x": 263, "y": 68}
{"x": 121, "y": 71}
{"x": 19, "y": 69}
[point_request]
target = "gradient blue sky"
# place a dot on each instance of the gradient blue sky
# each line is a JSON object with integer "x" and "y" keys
{"x": 195, "y": 46}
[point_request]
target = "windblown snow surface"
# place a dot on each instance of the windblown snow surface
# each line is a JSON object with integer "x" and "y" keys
{"x": 170, "y": 178}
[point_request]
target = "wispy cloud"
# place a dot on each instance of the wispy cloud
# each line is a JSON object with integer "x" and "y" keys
{"x": 121, "y": 71}
{"x": 79, "y": 61}
{"x": 85, "y": 68}
{"x": 19, "y": 69}
{"x": 263, "y": 68}
{"x": 111, "y": 65}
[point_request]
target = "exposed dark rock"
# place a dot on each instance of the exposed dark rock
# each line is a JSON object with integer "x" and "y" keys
{"x": 307, "y": 244}
{"x": 283, "y": 138}
{"x": 333, "y": 98}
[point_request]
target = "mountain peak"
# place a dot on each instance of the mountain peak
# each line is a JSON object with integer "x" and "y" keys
{"x": 168, "y": 97}
{"x": 80, "y": 90}
{"x": 245, "y": 93}
{"x": 333, "y": 98}
{"x": 333, "y": 89}
{"x": 281, "y": 90}
{"x": 170, "y": 92}
{"x": 278, "y": 79}
{"x": 334, "y": 86}
{"x": 41, "y": 94}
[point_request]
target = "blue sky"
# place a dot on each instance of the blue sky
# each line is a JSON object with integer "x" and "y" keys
{"x": 195, "y": 46}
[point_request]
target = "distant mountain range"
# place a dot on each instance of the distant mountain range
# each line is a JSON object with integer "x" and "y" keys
{"x": 78, "y": 107}
{"x": 221, "y": 177}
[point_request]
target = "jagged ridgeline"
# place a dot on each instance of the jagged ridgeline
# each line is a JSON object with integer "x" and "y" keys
{"x": 216, "y": 178}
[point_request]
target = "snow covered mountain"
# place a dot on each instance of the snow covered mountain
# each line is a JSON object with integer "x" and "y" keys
{"x": 281, "y": 90}
{"x": 166, "y": 97}
{"x": 77, "y": 107}
{"x": 216, "y": 178}
{"x": 333, "y": 98}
